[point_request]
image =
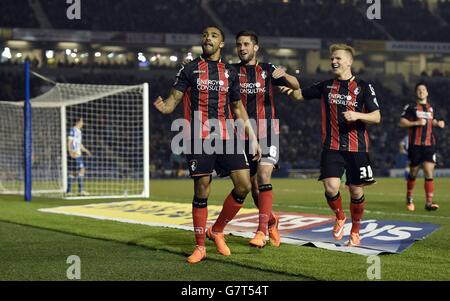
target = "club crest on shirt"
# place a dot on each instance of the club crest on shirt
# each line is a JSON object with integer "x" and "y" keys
{"x": 193, "y": 165}
{"x": 264, "y": 74}
{"x": 227, "y": 74}
{"x": 357, "y": 91}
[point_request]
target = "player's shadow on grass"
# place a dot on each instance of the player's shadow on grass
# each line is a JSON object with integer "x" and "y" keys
{"x": 174, "y": 241}
{"x": 183, "y": 242}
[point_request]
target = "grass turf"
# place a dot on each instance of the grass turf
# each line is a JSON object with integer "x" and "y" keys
{"x": 112, "y": 250}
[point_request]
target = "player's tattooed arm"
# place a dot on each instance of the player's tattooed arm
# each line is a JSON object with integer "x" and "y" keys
{"x": 241, "y": 116}
{"x": 169, "y": 104}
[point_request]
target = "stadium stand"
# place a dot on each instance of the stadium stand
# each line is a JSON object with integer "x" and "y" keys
{"x": 17, "y": 13}
{"x": 398, "y": 22}
{"x": 127, "y": 16}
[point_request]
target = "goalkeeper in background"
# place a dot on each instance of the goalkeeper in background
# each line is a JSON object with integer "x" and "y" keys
{"x": 76, "y": 164}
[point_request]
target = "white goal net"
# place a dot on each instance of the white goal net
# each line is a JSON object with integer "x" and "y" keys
{"x": 115, "y": 131}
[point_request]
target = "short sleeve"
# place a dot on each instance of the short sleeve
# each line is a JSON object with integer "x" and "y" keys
{"x": 72, "y": 133}
{"x": 182, "y": 81}
{"x": 370, "y": 99}
{"x": 409, "y": 112}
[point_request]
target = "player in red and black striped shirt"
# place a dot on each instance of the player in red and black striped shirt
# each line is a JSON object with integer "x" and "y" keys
{"x": 257, "y": 81}
{"x": 210, "y": 88}
{"x": 348, "y": 106}
{"x": 419, "y": 118}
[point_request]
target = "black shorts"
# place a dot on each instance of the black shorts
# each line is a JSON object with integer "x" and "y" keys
{"x": 224, "y": 163}
{"x": 270, "y": 148}
{"x": 357, "y": 166}
{"x": 418, "y": 154}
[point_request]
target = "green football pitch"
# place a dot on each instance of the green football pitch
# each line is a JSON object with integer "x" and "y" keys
{"x": 35, "y": 245}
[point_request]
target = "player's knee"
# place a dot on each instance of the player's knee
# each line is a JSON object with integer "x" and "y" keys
{"x": 358, "y": 199}
{"x": 242, "y": 189}
{"x": 264, "y": 178}
{"x": 356, "y": 194}
{"x": 428, "y": 173}
{"x": 331, "y": 190}
{"x": 202, "y": 187}
{"x": 413, "y": 172}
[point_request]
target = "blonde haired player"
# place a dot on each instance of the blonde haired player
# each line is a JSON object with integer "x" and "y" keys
{"x": 348, "y": 106}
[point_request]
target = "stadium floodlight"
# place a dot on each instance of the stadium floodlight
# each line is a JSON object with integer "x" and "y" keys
{"x": 141, "y": 57}
{"x": 7, "y": 53}
{"x": 116, "y": 131}
{"x": 98, "y": 54}
{"x": 49, "y": 54}
{"x": 173, "y": 58}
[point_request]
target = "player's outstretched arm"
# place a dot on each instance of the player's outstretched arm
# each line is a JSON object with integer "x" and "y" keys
{"x": 241, "y": 115}
{"x": 368, "y": 118}
{"x": 291, "y": 81}
{"x": 439, "y": 123}
{"x": 405, "y": 123}
{"x": 169, "y": 104}
{"x": 293, "y": 94}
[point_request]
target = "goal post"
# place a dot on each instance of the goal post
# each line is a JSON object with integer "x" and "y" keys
{"x": 115, "y": 130}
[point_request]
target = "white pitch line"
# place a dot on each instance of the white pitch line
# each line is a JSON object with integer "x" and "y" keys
{"x": 366, "y": 211}
{"x": 321, "y": 192}
{"x": 321, "y": 208}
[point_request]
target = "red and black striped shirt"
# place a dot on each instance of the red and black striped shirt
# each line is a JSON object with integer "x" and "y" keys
{"x": 209, "y": 87}
{"x": 420, "y": 135}
{"x": 337, "y": 97}
{"x": 256, "y": 87}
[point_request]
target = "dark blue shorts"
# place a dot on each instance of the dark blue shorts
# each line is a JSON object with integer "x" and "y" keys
{"x": 75, "y": 165}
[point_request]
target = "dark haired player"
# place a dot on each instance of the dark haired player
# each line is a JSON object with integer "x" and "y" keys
{"x": 211, "y": 88}
{"x": 420, "y": 118}
{"x": 257, "y": 80}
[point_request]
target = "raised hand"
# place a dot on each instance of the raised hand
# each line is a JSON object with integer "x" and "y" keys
{"x": 279, "y": 73}
{"x": 160, "y": 105}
